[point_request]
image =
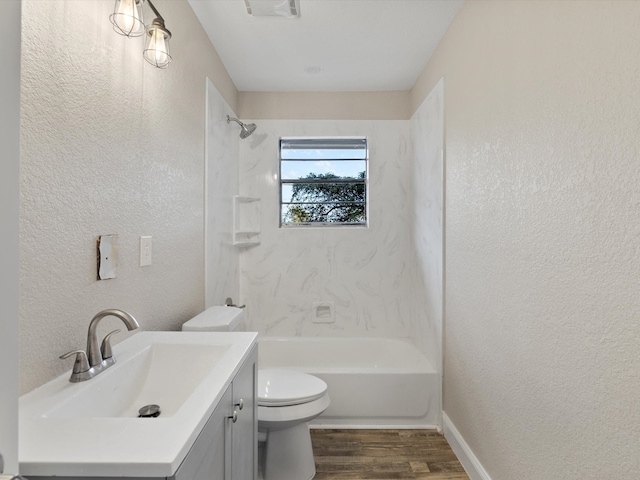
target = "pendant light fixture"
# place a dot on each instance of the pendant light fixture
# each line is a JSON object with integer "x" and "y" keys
{"x": 156, "y": 46}
{"x": 127, "y": 20}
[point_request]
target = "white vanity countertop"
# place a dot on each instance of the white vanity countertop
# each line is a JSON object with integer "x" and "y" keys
{"x": 114, "y": 445}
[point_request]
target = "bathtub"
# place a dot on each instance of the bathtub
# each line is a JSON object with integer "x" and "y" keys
{"x": 372, "y": 382}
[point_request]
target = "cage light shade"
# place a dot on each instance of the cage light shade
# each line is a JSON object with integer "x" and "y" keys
{"x": 127, "y": 18}
{"x": 156, "y": 49}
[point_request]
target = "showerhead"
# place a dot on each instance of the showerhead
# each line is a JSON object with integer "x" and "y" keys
{"x": 246, "y": 130}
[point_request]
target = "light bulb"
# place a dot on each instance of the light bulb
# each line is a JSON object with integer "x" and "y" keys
{"x": 127, "y": 18}
{"x": 156, "y": 51}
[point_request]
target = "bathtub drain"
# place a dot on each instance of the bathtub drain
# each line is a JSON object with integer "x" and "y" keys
{"x": 149, "y": 411}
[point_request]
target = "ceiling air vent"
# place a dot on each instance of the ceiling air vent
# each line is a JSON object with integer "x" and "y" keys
{"x": 273, "y": 8}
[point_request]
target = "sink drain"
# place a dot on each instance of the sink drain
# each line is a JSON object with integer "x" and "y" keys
{"x": 149, "y": 411}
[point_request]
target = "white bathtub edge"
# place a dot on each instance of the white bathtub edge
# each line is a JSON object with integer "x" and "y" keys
{"x": 467, "y": 458}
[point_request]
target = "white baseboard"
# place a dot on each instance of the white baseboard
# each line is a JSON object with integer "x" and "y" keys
{"x": 469, "y": 461}
{"x": 372, "y": 426}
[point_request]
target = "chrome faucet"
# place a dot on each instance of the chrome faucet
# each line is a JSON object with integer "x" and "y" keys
{"x": 96, "y": 359}
{"x": 94, "y": 353}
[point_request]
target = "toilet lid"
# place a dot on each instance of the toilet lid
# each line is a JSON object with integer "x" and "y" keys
{"x": 279, "y": 387}
{"x": 215, "y": 319}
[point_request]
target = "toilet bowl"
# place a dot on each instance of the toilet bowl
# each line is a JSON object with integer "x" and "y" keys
{"x": 287, "y": 401}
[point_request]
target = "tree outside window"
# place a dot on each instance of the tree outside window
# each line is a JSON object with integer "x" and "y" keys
{"x": 327, "y": 201}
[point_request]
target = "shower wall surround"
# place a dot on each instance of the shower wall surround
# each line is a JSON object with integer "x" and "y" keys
{"x": 364, "y": 272}
{"x": 427, "y": 139}
{"x": 221, "y": 179}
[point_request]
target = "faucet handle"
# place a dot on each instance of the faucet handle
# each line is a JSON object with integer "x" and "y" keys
{"x": 81, "y": 369}
{"x": 105, "y": 348}
{"x": 81, "y": 364}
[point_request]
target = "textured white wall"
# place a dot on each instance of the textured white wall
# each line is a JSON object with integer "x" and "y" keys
{"x": 427, "y": 140}
{"x": 222, "y": 258}
{"x": 364, "y": 272}
{"x": 109, "y": 145}
{"x": 542, "y": 228}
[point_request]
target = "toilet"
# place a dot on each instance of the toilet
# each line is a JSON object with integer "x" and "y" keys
{"x": 287, "y": 401}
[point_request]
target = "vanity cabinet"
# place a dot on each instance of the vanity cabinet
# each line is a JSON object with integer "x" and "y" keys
{"x": 205, "y": 384}
{"x": 227, "y": 447}
{"x": 244, "y": 435}
{"x": 209, "y": 458}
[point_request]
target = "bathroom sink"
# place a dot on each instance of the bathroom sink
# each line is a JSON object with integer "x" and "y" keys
{"x": 160, "y": 374}
{"x": 93, "y": 428}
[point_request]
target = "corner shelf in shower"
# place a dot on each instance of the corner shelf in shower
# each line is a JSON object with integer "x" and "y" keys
{"x": 246, "y": 220}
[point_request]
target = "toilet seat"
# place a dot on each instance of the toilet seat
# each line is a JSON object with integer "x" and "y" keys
{"x": 281, "y": 388}
{"x": 276, "y": 418}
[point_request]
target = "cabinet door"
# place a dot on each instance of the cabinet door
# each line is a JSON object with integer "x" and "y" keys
{"x": 244, "y": 452}
{"x": 209, "y": 458}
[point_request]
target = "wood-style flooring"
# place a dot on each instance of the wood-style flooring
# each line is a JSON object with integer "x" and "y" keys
{"x": 384, "y": 454}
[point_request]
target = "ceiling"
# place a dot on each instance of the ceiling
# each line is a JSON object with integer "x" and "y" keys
{"x": 334, "y": 45}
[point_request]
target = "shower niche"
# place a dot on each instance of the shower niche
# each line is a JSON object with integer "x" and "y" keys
{"x": 246, "y": 220}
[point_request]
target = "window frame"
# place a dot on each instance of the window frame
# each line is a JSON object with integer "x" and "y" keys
{"x": 364, "y": 182}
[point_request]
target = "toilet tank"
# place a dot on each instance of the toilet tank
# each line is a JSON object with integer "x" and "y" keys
{"x": 216, "y": 319}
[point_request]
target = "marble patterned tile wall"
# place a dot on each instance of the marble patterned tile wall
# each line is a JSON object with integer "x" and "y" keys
{"x": 427, "y": 137}
{"x": 221, "y": 258}
{"x": 365, "y": 273}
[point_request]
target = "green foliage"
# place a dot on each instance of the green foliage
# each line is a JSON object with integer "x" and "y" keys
{"x": 327, "y": 202}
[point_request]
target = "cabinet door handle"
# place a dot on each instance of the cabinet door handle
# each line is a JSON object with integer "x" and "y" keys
{"x": 234, "y": 417}
{"x": 240, "y": 404}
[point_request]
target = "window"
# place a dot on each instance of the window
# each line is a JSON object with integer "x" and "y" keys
{"x": 323, "y": 181}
